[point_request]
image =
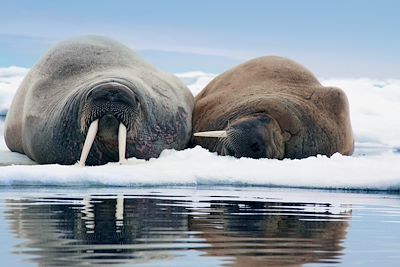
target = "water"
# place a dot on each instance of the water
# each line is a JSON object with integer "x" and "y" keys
{"x": 191, "y": 226}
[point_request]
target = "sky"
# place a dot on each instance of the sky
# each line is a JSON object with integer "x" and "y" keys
{"x": 331, "y": 38}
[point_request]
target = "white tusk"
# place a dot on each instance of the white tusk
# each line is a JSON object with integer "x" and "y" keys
{"x": 91, "y": 134}
{"x": 88, "y": 217}
{"x": 122, "y": 143}
{"x": 217, "y": 134}
{"x": 119, "y": 211}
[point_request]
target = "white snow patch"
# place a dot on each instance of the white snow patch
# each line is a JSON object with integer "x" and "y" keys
{"x": 374, "y": 109}
{"x": 197, "y": 166}
{"x": 195, "y": 80}
{"x": 10, "y": 78}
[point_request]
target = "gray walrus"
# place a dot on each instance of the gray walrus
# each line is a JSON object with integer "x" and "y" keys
{"x": 93, "y": 99}
{"x": 272, "y": 107}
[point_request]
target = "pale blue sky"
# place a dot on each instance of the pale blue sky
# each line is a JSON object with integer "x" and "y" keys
{"x": 332, "y": 38}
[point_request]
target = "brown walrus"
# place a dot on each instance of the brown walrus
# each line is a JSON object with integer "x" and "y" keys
{"x": 272, "y": 107}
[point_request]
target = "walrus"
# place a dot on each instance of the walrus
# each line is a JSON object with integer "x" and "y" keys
{"x": 272, "y": 107}
{"x": 94, "y": 100}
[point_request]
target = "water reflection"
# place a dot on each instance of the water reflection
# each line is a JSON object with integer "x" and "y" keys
{"x": 121, "y": 229}
{"x": 273, "y": 233}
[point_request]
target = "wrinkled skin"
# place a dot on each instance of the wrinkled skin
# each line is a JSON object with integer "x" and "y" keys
{"x": 89, "y": 78}
{"x": 272, "y": 107}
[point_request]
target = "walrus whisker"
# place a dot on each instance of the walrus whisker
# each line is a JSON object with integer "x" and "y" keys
{"x": 122, "y": 143}
{"x": 122, "y": 112}
{"x": 91, "y": 134}
{"x": 216, "y": 134}
{"x": 224, "y": 141}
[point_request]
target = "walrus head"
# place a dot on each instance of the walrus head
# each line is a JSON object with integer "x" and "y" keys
{"x": 109, "y": 111}
{"x": 254, "y": 136}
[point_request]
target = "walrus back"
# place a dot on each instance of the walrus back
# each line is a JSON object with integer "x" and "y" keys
{"x": 268, "y": 74}
{"x": 254, "y": 86}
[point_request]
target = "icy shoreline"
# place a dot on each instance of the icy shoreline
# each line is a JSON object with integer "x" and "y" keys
{"x": 197, "y": 166}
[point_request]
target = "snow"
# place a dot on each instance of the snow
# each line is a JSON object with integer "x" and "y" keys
{"x": 195, "y": 80}
{"x": 10, "y": 78}
{"x": 197, "y": 166}
{"x": 374, "y": 105}
{"x": 374, "y": 109}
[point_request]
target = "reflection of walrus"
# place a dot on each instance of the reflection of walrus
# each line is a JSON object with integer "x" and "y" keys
{"x": 272, "y": 233}
{"x": 142, "y": 228}
{"x": 100, "y": 231}
{"x": 272, "y": 107}
{"x": 96, "y": 87}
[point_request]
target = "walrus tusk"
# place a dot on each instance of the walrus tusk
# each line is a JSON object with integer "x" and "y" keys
{"x": 217, "y": 134}
{"x": 122, "y": 143}
{"x": 119, "y": 211}
{"x": 91, "y": 134}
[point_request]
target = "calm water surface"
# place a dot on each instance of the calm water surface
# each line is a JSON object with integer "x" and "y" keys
{"x": 197, "y": 227}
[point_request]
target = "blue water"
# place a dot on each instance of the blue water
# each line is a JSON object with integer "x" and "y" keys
{"x": 197, "y": 226}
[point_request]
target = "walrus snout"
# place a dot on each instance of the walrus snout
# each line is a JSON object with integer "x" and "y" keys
{"x": 110, "y": 99}
{"x": 246, "y": 139}
{"x": 110, "y": 110}
{"x": 255, "y": 137}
